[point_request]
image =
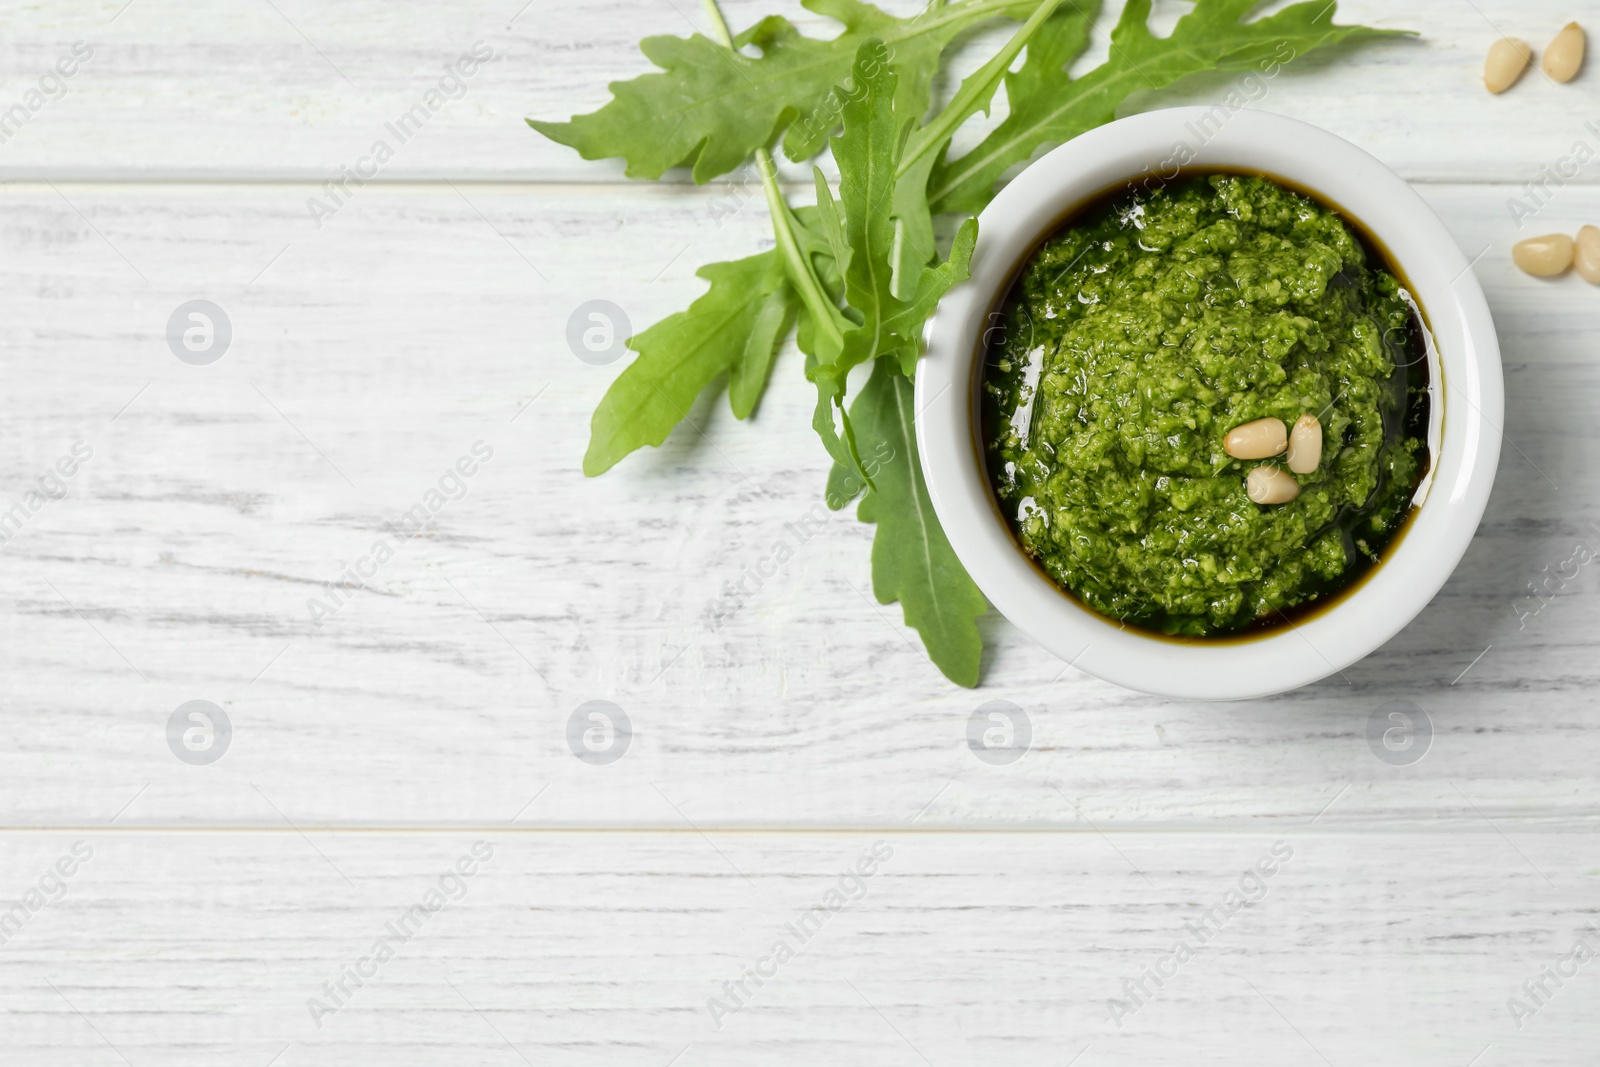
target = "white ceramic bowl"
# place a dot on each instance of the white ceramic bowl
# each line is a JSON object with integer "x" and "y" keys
{"x": 1467, "y": 402}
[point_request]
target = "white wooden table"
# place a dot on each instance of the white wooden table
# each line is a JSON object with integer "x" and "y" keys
{"x": 371, "y": 751}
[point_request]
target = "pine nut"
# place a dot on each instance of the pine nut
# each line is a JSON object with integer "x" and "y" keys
{"x": 1586, "y": 254}
{"x": 1543, "y": 256}
{"x": 1305, "y": 441}
{"x": 1271, "y": 485}
{"x": 1564, "y": 55}
{"x": 1256, "y": 440}
{"x": 1508, "y": 58}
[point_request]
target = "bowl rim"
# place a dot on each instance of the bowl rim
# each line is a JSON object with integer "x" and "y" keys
{"x": 1471, "y": 394}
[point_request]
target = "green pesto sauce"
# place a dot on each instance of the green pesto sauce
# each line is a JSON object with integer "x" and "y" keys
{"x": 1142, "y": 332}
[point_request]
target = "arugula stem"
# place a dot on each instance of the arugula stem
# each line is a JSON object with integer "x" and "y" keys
{"x": 802, "y": 273}
{"x": 961, "y": 9}
{"x": 719, "y": 25}
{"x": 974, "y": 90}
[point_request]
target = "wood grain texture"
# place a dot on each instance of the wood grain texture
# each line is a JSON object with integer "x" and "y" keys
{"x": 431, "y": 709}
{"x": 296, "y": 89}
{"x": 372, "y": 354}
{"x": 203, "y": 948}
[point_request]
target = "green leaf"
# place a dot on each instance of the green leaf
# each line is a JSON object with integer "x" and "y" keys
{"x": 828, "y": 220}
{"x": 910, "y": 315}
{"x": 733, "y": 328}
{"x": 844, "y": 483}
{"x": 821, "y": 323}
{"x": 710, "y": 107}
{"x": 868, "y": 153}
{"x": 748, "y": 378}
{"x": 839, "y": 441}
{"x": 927, "y": 146}
{"x": 1045, "y": 107}
{"x": 912, "y": 560}
{"x": 880, "y": 324}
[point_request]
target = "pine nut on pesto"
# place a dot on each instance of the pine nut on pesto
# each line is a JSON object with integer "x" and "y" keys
{"x": 1140, "y": 332}
{"x": 1305, "y": 445}
{"x": 1257, "y": 440}
{"x": 1271, "y": 485}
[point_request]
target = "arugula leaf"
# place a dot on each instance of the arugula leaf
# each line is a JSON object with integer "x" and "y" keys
{"x": 828, "y": 220}
{"x": 868, "y": 153}
{"x": 910, "y": 315}
{"x": 1047, "y": 108}
{"x": 710, "y": 106}
{"x": 821, "y": 358}
{"x": 840, "y": 441}
{"x": 734, "y": 327}
{"x": 928, "y": 144}
{"x": 880, "y": 324}
{"x": 912, "y": 560}
{"x": 821, "y": 324}
{"x": 748, "y": 378}
{"x": 845, "y": 483}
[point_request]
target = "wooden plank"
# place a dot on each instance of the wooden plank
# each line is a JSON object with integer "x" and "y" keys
{"x": 956, "y": 948}
{"x": 769, "y": 752}
{"x": 296, "y": 89}
{"x": 370, "y": 356}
